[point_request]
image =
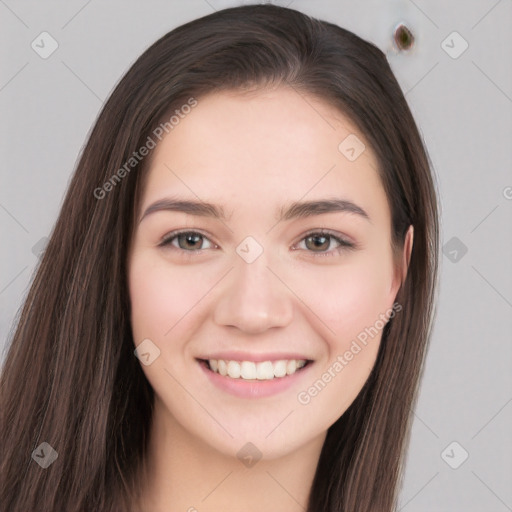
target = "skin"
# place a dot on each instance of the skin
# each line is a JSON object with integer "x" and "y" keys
{"x": 253, "y": 154}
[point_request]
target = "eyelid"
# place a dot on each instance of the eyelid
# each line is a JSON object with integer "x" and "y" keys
{"x": 333, "y": 234}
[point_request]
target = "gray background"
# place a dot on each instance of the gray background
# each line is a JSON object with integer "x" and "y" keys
{"x": 462, "y": 104}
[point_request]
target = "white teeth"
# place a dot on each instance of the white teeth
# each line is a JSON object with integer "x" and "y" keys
{"x": 280, "y": 368}
{"x": 291, "y": 366}
{"x": 248, "y": 370}
{"x": 223, "y": 367}
{"x": 233, "y": 369}
{"x": 264, "y": 370}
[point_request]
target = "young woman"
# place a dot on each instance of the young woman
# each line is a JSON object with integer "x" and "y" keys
{"x": 234, "y": 306}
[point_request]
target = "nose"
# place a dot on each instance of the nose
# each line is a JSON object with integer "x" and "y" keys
{"x": 253, "y": 298}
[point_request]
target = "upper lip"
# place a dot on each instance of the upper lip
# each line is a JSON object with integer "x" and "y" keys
{"x": 255, "y": 357}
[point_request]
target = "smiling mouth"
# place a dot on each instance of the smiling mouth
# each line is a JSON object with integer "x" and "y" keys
{"x": 252, "y": 371}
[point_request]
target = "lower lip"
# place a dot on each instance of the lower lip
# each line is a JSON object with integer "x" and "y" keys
{"x": 253, "y": 388}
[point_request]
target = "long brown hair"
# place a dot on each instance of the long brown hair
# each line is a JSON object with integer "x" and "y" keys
{"x": 70, "y": 377}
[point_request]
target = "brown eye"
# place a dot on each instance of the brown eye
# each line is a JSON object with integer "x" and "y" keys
{"x": 190, "y": 241}
{"x": 319, "y": 243}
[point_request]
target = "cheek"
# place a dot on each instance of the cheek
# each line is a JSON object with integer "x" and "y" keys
{"x": 347, "y": 298}
{"x": 162, "y": 301}
{"x": 159, "y": 298}
{"x": 349, "y": 301}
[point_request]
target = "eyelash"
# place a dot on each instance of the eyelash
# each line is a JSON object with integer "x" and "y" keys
{"x": 344, "y": 244}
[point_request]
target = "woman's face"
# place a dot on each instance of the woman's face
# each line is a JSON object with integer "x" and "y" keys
{"x": 252, "y": 285}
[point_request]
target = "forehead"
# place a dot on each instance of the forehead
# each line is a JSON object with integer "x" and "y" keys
{"x": 271, "y": 119}
{"x": 261, "y": 145}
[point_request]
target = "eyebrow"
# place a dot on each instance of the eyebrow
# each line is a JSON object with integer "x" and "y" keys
{"x": 296, "y": 210}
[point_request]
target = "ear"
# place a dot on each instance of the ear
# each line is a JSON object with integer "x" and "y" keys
{"x": 401, "y": 274}
{"x": 409, "y": 237}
